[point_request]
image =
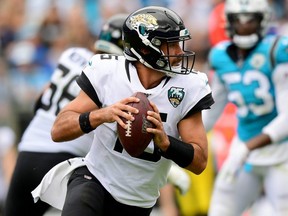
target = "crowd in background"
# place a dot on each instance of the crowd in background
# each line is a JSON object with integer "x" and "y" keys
{"x": 34, "y": 33}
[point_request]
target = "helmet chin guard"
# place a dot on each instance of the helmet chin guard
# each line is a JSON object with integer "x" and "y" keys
{"x": 245, "y": 42}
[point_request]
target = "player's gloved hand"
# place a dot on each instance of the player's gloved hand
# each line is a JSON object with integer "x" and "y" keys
{"x": 234, "y": 162}
{"x": 179, "y": 178}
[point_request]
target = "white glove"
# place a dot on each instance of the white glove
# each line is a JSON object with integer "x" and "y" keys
{"x": 179, "y": 178}
{"x": 234, "y": 162}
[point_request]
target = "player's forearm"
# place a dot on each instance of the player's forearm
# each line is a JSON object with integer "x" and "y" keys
{"x": 277, "y": 129}
{"x": 186, "y": 155}
{"x": 66, "y": 127}
{"x": 258, "y": 141}
{"x": 199, "y": 162}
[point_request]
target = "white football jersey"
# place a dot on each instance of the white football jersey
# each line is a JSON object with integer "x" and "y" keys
{"x": 136, "y": 180}
{"x": 63, "y": 88}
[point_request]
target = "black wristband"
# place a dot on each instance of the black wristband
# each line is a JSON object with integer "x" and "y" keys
{"x": 180, "y": 152}
{"x": 84, "y": 122}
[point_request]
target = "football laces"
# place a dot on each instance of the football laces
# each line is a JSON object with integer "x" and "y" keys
{"x": 129, "y": 126}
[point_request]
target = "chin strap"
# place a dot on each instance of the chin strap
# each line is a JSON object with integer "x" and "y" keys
{"x": 140, "y": 59}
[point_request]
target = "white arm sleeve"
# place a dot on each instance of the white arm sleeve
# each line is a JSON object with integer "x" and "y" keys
{"x": 277, "y": 128}
{"x": 219, "y": 94}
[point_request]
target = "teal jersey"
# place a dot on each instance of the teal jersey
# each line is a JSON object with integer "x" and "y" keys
{"x": 249, "y": 83}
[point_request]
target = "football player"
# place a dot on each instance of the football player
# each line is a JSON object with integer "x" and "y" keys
{"x": 155, "y": 62}
{"x": 37, "y": 152}
{"x": 251, "y": 72}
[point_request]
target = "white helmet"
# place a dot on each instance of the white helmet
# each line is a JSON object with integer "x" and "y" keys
{"x": 259, "y": 9}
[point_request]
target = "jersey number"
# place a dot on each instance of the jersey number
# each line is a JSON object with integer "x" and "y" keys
{"x": 265, "y": 103}
{"x": 64, "y": 95}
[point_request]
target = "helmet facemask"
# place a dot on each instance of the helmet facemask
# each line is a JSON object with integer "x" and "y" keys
{"x": 168, "y": 63}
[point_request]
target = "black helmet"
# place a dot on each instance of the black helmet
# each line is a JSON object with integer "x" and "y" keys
{"x": 146, "y": 29}
{"x": 110, "y": 38}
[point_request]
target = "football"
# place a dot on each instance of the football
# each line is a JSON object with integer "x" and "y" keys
{"x": 135, "y": 138}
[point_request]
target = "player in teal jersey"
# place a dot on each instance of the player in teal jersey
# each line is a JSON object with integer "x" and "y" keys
{"x": 251, "y": 72}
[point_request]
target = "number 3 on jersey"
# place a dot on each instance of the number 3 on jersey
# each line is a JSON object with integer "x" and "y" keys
{"x": 263, "y": 101}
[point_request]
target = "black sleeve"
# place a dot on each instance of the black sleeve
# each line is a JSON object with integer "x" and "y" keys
{"x": 87, "y": 87}
{"x": 204, "y": 103}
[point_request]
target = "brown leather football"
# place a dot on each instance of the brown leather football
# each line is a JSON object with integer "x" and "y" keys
{"x": 135, "y": 138}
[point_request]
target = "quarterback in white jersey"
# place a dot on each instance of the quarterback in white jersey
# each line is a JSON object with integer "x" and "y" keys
{"x": 155, "y": 63}
{"x": 251, "y": 72}
{"x": 174, "y": 97}
{"x": 38, "y": 153}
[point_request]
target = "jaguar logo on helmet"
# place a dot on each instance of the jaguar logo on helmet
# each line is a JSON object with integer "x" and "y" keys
{"x": 143, "y": 23}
